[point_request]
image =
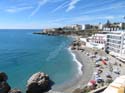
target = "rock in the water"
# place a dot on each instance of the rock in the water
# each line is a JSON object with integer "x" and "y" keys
{"x": 15, "y": 91}
{"x": 3, "y": 76}
{"x": 39, "y": 83}
{"x": 4, "y": 87}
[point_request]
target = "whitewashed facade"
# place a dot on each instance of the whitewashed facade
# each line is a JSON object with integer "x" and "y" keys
{"x": 116, "y": 44}
{"x": 98, "y": 40}
{"x": 95, "y": 41}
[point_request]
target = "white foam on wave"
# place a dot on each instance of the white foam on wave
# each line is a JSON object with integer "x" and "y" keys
{"x": 78, "y": 63}
{"x": 72, "y": 81}
{"x": 51, "y": 91}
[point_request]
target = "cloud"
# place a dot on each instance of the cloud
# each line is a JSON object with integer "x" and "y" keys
{"x": 72, "y": 5}
{"x": 40, "y": 3}
{"x": 18, "y": 9}
{"x": 63, "y": 5}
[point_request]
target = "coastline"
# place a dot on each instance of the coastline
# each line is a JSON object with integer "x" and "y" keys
{"x": 79, "y": 64}
{"x": 83, "y": 76}
{"x": 86, "y": 74}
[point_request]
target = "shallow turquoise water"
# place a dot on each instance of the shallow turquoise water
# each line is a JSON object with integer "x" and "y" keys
{"x": 23, "y": 53}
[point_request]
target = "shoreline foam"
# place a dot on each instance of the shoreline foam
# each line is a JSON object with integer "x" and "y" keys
{"x": 83, "y": 76}
{"x": 80, "y": 66}
{"x": 76, "y": 78}
{"x": 86, "y": 73}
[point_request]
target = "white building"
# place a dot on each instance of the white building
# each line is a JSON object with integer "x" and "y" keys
{"x": 100, "y": 26}
{"x": 83, "y": 27}
{"x": 113, "y": 26}
{"x": 96, "y": 41}
{"x": 75, "y": 27}
{"x": 116, "y": 44}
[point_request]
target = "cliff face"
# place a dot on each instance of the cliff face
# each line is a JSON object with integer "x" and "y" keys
{"x": 37, "y": 83}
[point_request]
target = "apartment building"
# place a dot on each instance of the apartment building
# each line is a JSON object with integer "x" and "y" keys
{"x": 97, "y": 41}
{"x": 74, "y": 27}
{"x": 116, "y": 44}
{"x": 114, "y": 26}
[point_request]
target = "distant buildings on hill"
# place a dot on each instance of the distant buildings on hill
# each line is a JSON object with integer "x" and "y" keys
{"x": 75, "y": 27}
{"x": 105, "y": 27}
{"x": 92, "y": 27}
{"x": 113, "y": 26}
{"x": 98, "y": 27}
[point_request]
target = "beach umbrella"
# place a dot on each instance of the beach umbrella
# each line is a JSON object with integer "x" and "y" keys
{"x": 89, "y": 84}
{"x": 104, "y": 62}
{"x": 93, "y": 82}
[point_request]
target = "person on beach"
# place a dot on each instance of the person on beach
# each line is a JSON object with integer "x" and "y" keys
{"x": 110, "y": 67}
{"x": 120, "y": 65}
{"x": 117, "y": 71}
{"x": 108, "y": 75}
{"x": 108, "y": 81}
{"x": 100, "y": 81}
{"x": 104, "y": 62}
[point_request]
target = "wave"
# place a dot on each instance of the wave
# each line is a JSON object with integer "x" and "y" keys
{"x": 80, "y": 66}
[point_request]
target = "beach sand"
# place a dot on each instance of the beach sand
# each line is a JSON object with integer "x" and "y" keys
{"x": 85, "y": 67}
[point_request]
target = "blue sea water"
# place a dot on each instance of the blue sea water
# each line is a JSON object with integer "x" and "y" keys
{"x": 23, "y": 54}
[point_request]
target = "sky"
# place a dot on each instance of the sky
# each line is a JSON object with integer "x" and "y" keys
{"x": 37, "y": 14}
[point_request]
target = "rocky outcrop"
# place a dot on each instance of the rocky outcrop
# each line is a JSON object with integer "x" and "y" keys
{"x": 15, "y": 91}
{"x": 39, "y": 83}
{"x": 3, "y": 76}
{"x": 4, "y": 86}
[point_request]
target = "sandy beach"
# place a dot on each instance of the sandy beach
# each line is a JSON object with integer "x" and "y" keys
{"x": 85, "y": 68}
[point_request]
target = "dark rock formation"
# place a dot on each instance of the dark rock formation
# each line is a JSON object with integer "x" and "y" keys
{"x": 15, "y": 91}
{"x": 4, "y": 86}
{"x": 3, "y": 76}
{"x": 39, "y": 83}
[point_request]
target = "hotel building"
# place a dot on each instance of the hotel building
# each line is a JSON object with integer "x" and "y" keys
{"x": 116, "y": 44}
{"x": 74, "y": 27}
{"x": 96, "y": 41}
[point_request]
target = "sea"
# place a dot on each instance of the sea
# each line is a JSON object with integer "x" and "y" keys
{"x": 23, "y": 53}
